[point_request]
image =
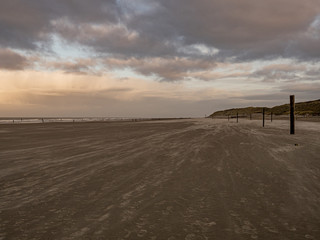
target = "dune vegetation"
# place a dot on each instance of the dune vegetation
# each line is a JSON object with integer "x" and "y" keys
{"x": 302, "y": 108}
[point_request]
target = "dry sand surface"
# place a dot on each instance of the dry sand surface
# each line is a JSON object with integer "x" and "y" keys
{"x": 186, "y": 179}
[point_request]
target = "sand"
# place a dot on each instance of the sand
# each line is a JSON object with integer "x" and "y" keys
{"x": 184, "y": 179}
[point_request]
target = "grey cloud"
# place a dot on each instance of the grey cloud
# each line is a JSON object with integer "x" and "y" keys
{"x": 25, "y": 24}
{"x": 79, "y": 66}
{"x": 305, "y": 90}
{"x": 166, "y": 69}
{"x": 307, "y": 44}
{"x": 11, "y": 60}
{"x": 21, "y": 25}
{"x": 276, "y": 72}
{"x": 114, "y": 39}
{"x": 241, "y": 30}
{"x": 211, "y": 76}
{"x": 118, "y": 90}
{"x": 288, "y": 72}
{"x": 245, "y": 29}
{"x": 314, "y": 73}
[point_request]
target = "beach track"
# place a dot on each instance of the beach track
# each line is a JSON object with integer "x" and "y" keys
{"x": 178, "y": 179}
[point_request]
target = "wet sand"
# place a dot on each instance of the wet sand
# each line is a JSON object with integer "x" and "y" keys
{"x": 186, "y": 179}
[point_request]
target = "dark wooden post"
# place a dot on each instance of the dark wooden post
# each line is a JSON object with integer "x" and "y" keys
{"x": 271, "y": 116}
{"x": 263, "y": 114}
{"x": 237, "y": 117}
{"x": 292, "y": 105}
{"x": 250, "y": 116}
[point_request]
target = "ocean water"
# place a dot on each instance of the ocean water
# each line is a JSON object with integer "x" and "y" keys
{"x": 15, "y": 120}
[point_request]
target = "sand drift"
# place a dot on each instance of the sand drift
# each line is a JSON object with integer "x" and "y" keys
{"x": 184, "y": 179}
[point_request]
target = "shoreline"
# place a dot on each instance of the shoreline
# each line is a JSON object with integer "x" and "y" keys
{"x": 29, "y": 120}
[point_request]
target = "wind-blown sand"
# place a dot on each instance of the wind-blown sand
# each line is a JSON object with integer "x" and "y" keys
{"x": 186, "y": 179}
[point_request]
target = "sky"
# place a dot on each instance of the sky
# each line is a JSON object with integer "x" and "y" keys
{"x": 155, "y": 58}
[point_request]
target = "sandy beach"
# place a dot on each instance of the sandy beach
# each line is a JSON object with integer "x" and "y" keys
{"x": 178, "y": 179}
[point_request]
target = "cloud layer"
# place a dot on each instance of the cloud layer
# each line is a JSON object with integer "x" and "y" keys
{"x": 241, "y": 29}
{"x": 220, "y": 44}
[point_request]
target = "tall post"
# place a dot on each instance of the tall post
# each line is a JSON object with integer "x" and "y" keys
{"x": 263, "y": 114}
{"x": 237, "y": 117}
{"x": 292, "y": 105}
{"x": 271, "y": 116}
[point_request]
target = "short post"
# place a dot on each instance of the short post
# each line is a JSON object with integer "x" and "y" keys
{"x": 263, "y": 114}
{"x": 292, "y": 105}
{"x": 237, "y": 117}
{"x": 271, "y": 116}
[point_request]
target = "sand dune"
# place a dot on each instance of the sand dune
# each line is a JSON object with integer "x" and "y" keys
{"x": 184, "y": 179}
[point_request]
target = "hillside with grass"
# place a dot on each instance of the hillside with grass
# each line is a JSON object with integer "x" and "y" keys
{"x": 302, "y": 108}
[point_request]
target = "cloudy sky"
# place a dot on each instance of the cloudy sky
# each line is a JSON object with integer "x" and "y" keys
{"x": 155, "y": 58}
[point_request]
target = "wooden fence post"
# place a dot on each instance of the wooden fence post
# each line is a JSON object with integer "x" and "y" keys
{"x": 292, "y": 106}
{"x": 263, "y": 114}
{"x": 237, "y": 117}
{"x": 271, "y": 116}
